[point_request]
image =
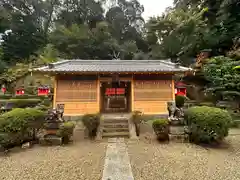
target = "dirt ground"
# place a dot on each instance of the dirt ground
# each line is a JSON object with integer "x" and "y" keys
{"x": 151, "y": 160}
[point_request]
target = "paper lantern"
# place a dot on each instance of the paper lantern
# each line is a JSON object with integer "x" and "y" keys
{"x": 43, "y": 91}
{"x": 4, "y": 89}
{"x": 20, "y": 91}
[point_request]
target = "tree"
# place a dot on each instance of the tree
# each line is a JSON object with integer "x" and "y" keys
{"x": 177, "y": 32}
{"x": 224, "y": 80}
{"x": 79, "y": 41}
{"x": 25, "y": 23}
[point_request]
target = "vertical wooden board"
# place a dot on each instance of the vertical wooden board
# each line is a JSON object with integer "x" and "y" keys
{"x": 152, "y": 96}
{"x": 79, "y": 108}
{"x": 151, "y": 107}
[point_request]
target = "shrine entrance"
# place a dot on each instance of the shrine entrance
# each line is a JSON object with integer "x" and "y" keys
{"x": 115, "y": 97}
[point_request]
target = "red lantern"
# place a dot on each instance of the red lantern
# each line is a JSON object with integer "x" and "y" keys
{"x": 181, "y": 89}
{"x": 4, "y": 89}
{"x": 20, "y": 92}
{"x": 43, "y": 91}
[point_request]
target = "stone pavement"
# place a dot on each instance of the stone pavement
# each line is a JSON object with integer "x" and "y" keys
{"x": 117, "y": 165}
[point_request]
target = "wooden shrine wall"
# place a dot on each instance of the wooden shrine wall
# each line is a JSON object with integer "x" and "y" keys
{"x": 80, "y": 95}
{"x": 150, "y": 95}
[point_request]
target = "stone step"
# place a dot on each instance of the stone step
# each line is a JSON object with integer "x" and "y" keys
{"x": 115, "y": 125}
{"x": 115, "y": 130}
{"x": 115, "y": 134}
{"x": 115, "y": 121}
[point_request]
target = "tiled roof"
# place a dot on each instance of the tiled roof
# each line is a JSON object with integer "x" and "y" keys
{"x": 113, "y": 66}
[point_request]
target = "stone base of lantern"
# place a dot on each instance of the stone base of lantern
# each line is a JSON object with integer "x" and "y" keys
{"x": 51, "y": 140}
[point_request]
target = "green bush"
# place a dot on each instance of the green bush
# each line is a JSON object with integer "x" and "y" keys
{"x": 91, "y": 122}
{"x": 20, "y": 125}
{"x": 180, "y": 100}
{"x": 207, "y": 124}
{"x": 66, "y": 131}
{"x": 29, "y": 96}
{"x": 210, "y": 104}
{"x": 46, "y": 102}
{"x": 137, "y": 117}
{"x": 161, "y": 129}
{"x": 43, "y": 108}
{"x": 24, "y": 103}
{"x": 160, "y": 122}
{"x": 5, "y": 96}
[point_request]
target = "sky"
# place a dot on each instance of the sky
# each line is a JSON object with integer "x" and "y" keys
{"x": 155, "y": 7}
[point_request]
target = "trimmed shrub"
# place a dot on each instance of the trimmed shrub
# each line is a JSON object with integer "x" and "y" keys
{"x": 66, "y": 131}
{"x": 29, "y": 96}
{"x": 137, "y": 117}
{"x": 24, "y": 103}
{"x": 207, "y": 124}
{"x": 91, "y": 122}
{"x": 20, "y": 125}
{"x": 210, "y": 104}
{"x": 5, "y": 96}
{"x": 46, "y": 102}
{"x": 161, "y": 129}
{"x": 180, "y": 100}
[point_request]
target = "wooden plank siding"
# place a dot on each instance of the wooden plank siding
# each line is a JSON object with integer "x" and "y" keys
{"x": 151, "y": 96}
{"x": 79, "y": 96}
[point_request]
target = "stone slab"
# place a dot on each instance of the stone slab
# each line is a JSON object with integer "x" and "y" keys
{"x": 117, "y": 165}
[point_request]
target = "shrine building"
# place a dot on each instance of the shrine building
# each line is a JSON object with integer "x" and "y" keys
{"x": 113, "y": 86}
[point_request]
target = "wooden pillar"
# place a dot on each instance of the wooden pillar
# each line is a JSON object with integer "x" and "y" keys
{"x": 98, "y": 93}
{"x": 132, "y": 93}
{"x": 55, "y": 92}
{"x": 173, "y": 89}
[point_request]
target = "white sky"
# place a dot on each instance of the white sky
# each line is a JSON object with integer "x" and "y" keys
{"x": 155, "y": 7}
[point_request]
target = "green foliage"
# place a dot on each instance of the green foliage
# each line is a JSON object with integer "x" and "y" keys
{"x": 23, "y": 103}
{"x": 180, "y": 100}
{"x": 179, "y": 32}
{"x": 224, "y": 80}
{"x": 161, "y": 129}
{"x": 66, "y": 131}
{"x": 14, "y": 73}
{"x": 48, "y": 55}
{"x": 207, "y": 124}
{"x": 19, "y": 125}
{"x": 160, "y": 122}
{"x": 5, "y": 96}
{"x": 91, "y": 122}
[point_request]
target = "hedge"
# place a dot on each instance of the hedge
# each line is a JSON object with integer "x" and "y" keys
{"x": 207, "y": 124}
{"x": 5, "y": 96}
{"x": 28, "y": 96}
{"x": 24, "y": 103}
{"x": 20, "y": 125}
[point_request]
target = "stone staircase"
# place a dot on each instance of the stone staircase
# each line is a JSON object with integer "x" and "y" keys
{"x": 115, "y": 125}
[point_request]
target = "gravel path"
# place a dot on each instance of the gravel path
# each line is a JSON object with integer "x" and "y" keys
{"x": 82, "y": 161}
{"x": 151, "y": 160}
